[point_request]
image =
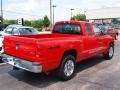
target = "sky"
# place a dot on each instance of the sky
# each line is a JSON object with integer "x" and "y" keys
{"x": 35, "y": 9}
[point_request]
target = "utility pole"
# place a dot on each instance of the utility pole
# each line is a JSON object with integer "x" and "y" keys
{"x": 1, "y": 13}
{"x": 50, "y": 14}
{"x": 71, "y": 12}
{"x": 53, "y": 13}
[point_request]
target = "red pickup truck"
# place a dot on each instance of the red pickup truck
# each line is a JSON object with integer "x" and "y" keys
{"x": 70, "y": 42}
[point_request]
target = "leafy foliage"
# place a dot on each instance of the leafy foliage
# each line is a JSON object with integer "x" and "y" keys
{"x": 27, "y": 23}
{"x": 79, "y": 17}
{"x": 0, "y": 19}
{"x": 116, "y": 21}
{"x": 39, "y": 23}
{"x": 10, "y": 21}
{"x": 46, "y": 21}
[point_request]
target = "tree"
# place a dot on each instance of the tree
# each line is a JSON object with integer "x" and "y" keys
{"x": 37, "y": 23}
{"x": 46, "y": 21}
{"x": 1, "y": 19}
{"x": 115, "y": 21}
{"x": 10, "y": 21}
{"x": 27, "y": 23}
{"x": 79, "y": 17}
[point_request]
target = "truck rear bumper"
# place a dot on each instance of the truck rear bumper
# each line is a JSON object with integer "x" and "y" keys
{"x": 22, "y": 64}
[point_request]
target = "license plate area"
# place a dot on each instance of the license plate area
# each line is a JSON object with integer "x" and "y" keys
{"x": 10, "y": 60}
{"x": 17, "y": 62}
{"x": 13, "y": 61}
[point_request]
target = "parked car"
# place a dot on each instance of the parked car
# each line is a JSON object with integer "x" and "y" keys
{"x": 69, "y": 43}
{"x": 3, "y": 26}
{"x": 111, "y": 30}
{"x": 16, "y": 30}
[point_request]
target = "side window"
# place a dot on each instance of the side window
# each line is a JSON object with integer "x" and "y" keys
{"x": 26, "y": 31}
{"x": 88, "y": 28}
{"x": 15, "y": 31}
{"x": 8, "y": 30}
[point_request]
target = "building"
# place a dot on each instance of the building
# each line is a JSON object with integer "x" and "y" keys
{"x": 101, "y": 15}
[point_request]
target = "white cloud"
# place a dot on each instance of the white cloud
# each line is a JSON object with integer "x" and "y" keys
{"x": 62, "y": 11}
{"x": 30, "y": 6}
{"x": 27, "y": 6}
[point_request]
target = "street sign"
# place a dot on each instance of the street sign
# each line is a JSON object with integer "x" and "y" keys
{"x": 20, "y": 21}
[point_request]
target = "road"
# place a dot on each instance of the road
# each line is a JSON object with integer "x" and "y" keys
{"x": 92, "y": 74}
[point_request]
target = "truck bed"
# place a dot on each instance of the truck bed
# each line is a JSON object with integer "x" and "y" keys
{"x": 25, "y": 46}
{"x": 43, "y": 36}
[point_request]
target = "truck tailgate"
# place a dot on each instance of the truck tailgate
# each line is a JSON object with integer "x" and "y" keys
{"x": 20, "y": 47}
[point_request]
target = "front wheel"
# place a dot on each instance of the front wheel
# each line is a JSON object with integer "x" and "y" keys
{"x": 116, "y": 37}
{"x": 109, "y": 55}
{"x": 67, "y": 68}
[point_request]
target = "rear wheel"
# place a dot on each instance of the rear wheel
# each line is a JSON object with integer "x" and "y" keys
{"x": 67, "y": 68}
{"x": 110, "y": 53}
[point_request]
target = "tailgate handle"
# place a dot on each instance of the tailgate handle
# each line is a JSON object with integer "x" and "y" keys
{"x": 17, "y": 44}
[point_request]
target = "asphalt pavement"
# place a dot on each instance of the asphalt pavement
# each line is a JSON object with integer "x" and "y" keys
{"x": 92, "y": 74}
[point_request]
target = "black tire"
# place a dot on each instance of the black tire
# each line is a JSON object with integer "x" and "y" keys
{"x": 1, "y": 60}
{"x": 61, "y": 71}
{"x": 109, "y": 55}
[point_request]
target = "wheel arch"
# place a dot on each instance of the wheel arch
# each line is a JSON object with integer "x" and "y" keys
{"x": 71, "y": 52}
{"x": 112, "y": 43}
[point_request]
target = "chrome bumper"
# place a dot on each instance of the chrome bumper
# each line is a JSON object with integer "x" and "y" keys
{"x": 21, "y": 63}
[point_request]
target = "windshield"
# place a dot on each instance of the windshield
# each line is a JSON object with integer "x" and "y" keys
{"x": 28, "y": 31}
{"x": 68, "y": 28}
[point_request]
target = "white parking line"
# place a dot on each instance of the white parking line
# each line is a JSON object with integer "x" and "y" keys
{"x": 2, "y": 64}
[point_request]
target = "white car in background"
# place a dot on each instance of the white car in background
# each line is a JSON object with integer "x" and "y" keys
{"x": 16, "y": 30}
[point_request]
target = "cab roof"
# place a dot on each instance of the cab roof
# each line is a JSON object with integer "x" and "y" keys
{"x": 71, "y": 22}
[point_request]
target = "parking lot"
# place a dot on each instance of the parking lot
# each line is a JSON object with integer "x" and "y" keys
{"x": 92, "y": 74}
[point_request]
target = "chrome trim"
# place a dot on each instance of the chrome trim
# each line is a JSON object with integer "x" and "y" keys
{"x": 69, "y": 68}
{"x": 21, "y": 63}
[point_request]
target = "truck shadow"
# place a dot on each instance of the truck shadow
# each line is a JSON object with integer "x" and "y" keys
{"x": 44, "y": 80}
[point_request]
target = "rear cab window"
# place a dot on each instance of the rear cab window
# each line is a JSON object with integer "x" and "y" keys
{"x": 68, "y": 28}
